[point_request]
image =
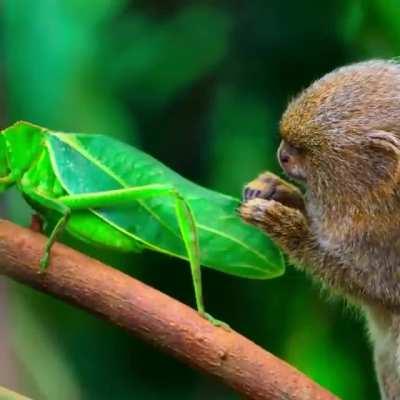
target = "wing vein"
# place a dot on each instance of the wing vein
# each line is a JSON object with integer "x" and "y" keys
{"x": 85, "y": 153}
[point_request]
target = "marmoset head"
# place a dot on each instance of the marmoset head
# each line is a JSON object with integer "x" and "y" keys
{"x": 341, "y": 135}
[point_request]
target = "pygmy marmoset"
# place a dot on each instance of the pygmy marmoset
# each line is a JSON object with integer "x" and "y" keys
{"x": 341, "y": 140}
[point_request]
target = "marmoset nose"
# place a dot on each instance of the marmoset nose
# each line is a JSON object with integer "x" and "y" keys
{"x": 283, "y": 154}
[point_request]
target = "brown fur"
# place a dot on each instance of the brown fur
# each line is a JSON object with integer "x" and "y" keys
{"x": 343, "y": 135}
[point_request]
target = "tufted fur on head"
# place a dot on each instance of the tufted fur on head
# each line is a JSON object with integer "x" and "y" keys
{"x": 346, "y": 127}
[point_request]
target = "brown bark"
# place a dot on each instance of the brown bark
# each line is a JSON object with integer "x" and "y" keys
{"x": 154, "y": 317}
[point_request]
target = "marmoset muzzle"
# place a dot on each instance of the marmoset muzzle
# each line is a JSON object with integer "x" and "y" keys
{"x": 291, "y": 161}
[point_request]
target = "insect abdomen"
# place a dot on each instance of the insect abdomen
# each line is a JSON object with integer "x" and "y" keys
{"x": 88, "y": 227}
{"x": 83, "y": 225}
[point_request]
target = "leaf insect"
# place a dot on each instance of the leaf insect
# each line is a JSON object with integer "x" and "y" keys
{"x": 112, "y": 195}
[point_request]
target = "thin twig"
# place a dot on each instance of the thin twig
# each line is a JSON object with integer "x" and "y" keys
{"x": 6, "y": 394}
{"x": 154, "y": 317}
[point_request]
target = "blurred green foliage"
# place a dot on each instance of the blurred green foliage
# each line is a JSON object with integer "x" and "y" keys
{"x": 200, "y": 85}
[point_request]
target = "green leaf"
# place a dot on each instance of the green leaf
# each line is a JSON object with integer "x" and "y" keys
{"x": 166, "y": 58}
{"x": 92, "y": 163}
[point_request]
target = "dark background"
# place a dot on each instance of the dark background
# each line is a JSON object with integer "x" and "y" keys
{"x": 200, "y": 85}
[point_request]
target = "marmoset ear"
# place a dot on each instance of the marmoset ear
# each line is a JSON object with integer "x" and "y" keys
{"x": 385, "y": 141}
{"x": 385, "y": 154}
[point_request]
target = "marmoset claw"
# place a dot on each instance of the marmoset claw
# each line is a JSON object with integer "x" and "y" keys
{"x": 269, "y": 186}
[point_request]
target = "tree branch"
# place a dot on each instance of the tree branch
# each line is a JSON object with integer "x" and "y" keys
{"x": 154, "y": 317}
{"x": 6, "y": 394}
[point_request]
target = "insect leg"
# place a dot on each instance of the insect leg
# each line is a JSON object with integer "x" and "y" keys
{"x": 190, "y": 237}
{"x": 110, "y": 198}
{"x": 62, "y": 209}
{"x": 10, "y": 179}
{"x": 184, "y": 217}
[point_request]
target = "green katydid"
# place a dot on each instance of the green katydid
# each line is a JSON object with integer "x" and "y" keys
{"x": 112, "y": 195}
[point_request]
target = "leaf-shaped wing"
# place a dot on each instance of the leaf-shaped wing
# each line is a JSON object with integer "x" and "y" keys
{"x": 93, "y": 163}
